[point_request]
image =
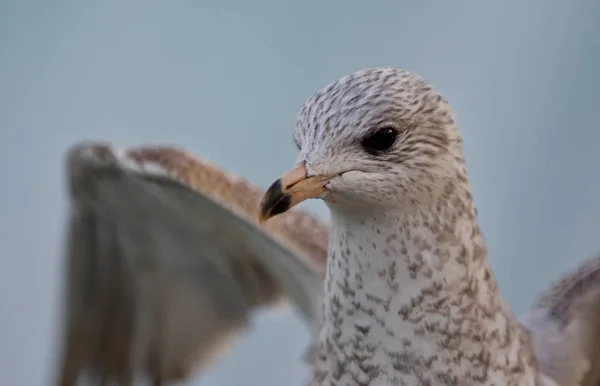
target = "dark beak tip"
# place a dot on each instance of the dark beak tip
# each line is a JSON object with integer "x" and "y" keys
{"x": 274, "y": 202}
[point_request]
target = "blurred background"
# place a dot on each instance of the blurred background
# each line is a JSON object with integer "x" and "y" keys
{"x": 225, "y": 80}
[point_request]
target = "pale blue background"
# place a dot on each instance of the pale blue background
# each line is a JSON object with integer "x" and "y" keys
{"x": 225, "y": 79}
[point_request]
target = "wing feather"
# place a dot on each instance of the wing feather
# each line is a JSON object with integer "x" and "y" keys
{"x": 166, "y": 262}
{"x": 565, "y": 327}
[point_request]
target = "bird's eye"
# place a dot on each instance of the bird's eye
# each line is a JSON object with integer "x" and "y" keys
{"x": 380, "y": 141}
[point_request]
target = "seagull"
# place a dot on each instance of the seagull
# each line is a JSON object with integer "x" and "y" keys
{"x": 409, "y": 294}
{"x": 167, "y": 257}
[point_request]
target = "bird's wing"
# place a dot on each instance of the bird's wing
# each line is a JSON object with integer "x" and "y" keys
{"x": 166, "y": 260}
{"x": 564, "y": 326}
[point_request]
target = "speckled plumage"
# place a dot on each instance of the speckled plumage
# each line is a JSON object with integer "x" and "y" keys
{"x": 410, "y": 298}
{"x": 409, "y": 295}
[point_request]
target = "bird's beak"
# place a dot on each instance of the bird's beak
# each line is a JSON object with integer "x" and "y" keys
{"x": 291, "y": 189}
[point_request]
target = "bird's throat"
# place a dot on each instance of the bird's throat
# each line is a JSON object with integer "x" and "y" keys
{"x": 414, "y": 297}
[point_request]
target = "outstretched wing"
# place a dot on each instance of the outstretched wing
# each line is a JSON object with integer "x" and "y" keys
{"x": 565, "y": 327}
{"x": 166, "y": 262}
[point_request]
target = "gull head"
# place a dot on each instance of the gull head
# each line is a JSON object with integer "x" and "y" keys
{"x": 377, "y": 139}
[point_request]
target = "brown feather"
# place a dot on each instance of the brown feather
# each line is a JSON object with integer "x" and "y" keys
{"x": 154, "y": 286}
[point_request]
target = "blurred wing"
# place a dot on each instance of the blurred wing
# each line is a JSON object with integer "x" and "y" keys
{"x": 565, "y": 327}
{"x": 166, "y": 262}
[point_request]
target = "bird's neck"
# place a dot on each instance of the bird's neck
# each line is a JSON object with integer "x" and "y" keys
{"x": 412, "y": 297}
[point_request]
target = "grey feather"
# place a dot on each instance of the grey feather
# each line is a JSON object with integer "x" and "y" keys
{"x": 161, "y": 276}
{"x": 564, "y": 325}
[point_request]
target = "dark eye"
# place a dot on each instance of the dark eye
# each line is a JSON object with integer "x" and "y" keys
{"x": 380, "y": 141}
